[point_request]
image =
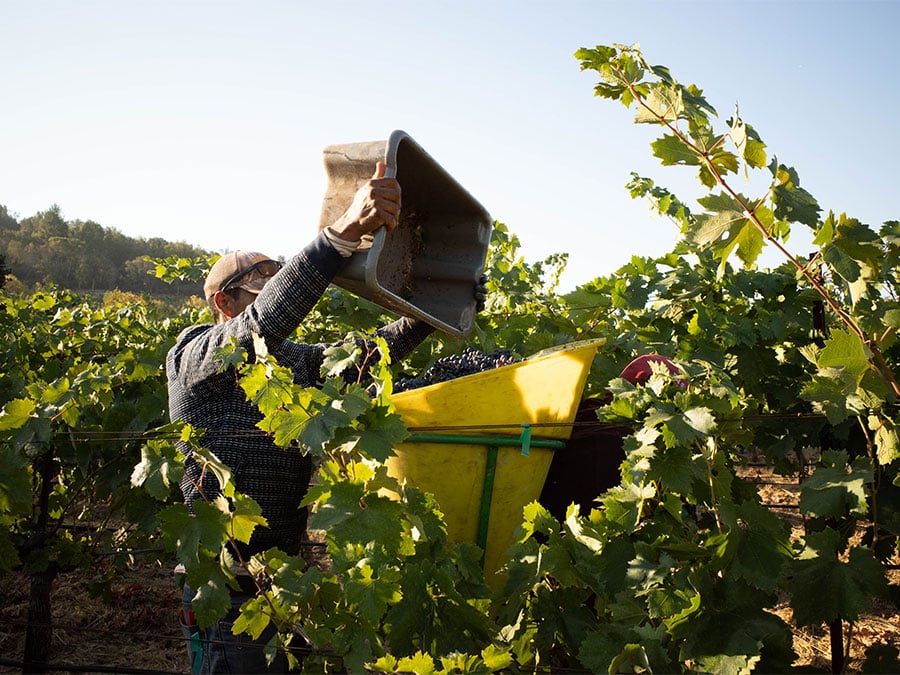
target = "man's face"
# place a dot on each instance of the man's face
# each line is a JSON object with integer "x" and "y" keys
{"x": 240, "y": 291}
{"x": 241, "y": 300}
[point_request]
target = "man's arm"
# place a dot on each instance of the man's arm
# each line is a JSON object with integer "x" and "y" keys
{"x": 292, "y": 293}
{"x": 277, "y": 311}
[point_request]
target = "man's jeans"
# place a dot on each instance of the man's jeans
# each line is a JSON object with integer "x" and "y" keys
{"x": 216, "y": 650}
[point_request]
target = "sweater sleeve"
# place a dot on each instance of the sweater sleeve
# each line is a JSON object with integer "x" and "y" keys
{"x": 403, "y": 336}
{"x": 275, "y": 313}
{"x": 305, "y": 360}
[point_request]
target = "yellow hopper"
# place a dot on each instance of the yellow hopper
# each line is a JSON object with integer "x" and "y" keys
{"x": 482, "y": 444}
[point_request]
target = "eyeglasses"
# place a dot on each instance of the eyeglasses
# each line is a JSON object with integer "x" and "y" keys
{"x": 263, "y": 269}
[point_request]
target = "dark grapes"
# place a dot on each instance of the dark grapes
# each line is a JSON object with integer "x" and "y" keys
{"x": 468, "y": 362}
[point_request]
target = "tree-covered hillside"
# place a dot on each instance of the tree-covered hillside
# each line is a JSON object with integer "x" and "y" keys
{"x": 84, "y": 255}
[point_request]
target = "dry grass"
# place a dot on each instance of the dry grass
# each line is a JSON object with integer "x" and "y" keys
{"x": 136, "y": 628}
{"x": 813, "y": 644}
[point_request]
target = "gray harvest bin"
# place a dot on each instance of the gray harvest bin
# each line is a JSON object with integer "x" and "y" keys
{"x": 428, "y": 266}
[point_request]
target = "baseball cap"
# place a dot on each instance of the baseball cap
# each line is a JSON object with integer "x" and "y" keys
{"x": 249, "y": 270}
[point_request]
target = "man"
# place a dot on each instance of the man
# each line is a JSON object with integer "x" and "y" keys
{"x": 248, "y": 293}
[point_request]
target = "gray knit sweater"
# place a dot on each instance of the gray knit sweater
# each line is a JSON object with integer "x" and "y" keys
{"x": 207, "y": 396}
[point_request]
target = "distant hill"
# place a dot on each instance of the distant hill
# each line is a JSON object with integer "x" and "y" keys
{"x": 85, "y": 256}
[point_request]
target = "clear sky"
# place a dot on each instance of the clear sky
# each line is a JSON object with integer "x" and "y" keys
{"x": 204, "y": 121}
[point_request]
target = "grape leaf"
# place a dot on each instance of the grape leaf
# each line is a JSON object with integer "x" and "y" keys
{"x": 287, "y": 425}
{"x": 833, "y": 491}
{"x": 16, "y": 413}
{"x": 755, "y": 547}
{"x": 212, "y": 600}
{"x": 383, "y": 431}
{"x": 245, "y": 517}
{"x": 254, "y": 617}
{"x": 187, "y": 534}
{"x": 887, "y": 444}
{"x": 419, "y": 662}
{"x": 671, "y": 150}
{"x": 846, "y": 351}
{"x": 792, "y": 203}
{"x": 158, "y": 470}
{"x": 15, "y": 481}
{"x": 339, "y": 358}
{"x": 267, "y": 386}
{"x": 824, "y": 588}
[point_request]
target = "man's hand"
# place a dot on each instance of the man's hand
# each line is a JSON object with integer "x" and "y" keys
{"x": 376, "y": 204}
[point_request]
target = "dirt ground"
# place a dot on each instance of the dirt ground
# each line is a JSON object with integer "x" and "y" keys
{"x": 812, "y": 644}
{"x": 138, "y": 628}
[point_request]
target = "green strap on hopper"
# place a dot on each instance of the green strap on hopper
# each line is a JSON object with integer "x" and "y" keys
{"x": 493, "y": 445}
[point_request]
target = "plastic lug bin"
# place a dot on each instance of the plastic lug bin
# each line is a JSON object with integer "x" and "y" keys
{"x": 482, "y": 444}
{"x": 428, "y": 266}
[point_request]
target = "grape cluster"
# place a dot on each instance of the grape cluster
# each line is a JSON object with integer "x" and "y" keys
{"x": 467, "y": 362}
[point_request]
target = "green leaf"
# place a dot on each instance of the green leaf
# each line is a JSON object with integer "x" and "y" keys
{"x": 16, "y": 413}
{"x": 231, "y": 355}
{"x": 624, "y": 504}
{"x": 372, "y": 594}
{"x": 9, "y": 554}
{"x": 159, "y": 469}
{"x": 673, "y": 605}
{"x": 828, "y": 396}
{"x": 383, "y": 431}
{"x": 354, "y": 402}
{"x": 343, "y": 501}
{"x": 824, "y": 588}
{"x": 676, "y": 470}
{"x": 892, "y": 319}
{"x": 339, "y": 358}
{"x": 267, "y": 386}
{"x": 749, "y": 241}
{"x": 701, "y": 419}
{"x": 725, "y": 228}
{"x": 15, "y": 482}
{"x": 321, "y": 427}
{"x": 420, "y": 663}
{"x": 245, "y": 517}
{"x": 671, "y": 150}
{"x": 188, "y": 535}
{"x": 835, "y": 490}
{"x": 716, "y": 228}
{"x": 372, "y": 523}
{"x": 632, "y": 659}
{"x": 825, "y": 232}
{"x": 664, "y": 103}
{"x": 857, "y": 254}
{"x": 728, "y": 664}
{"x": 887, "y": 444}
{"x": 604, "y": 644}
{"x": 756, "y": 546}
{"x": 792, "y": 203}
{"x": 386, "y": 664}
{"x": 211, "y": 602}
{"x": 210, "y": 463}
{"x": 254, "y": 617}
{"x": 496, "y": 659}
{"x": 43, "y": 302}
